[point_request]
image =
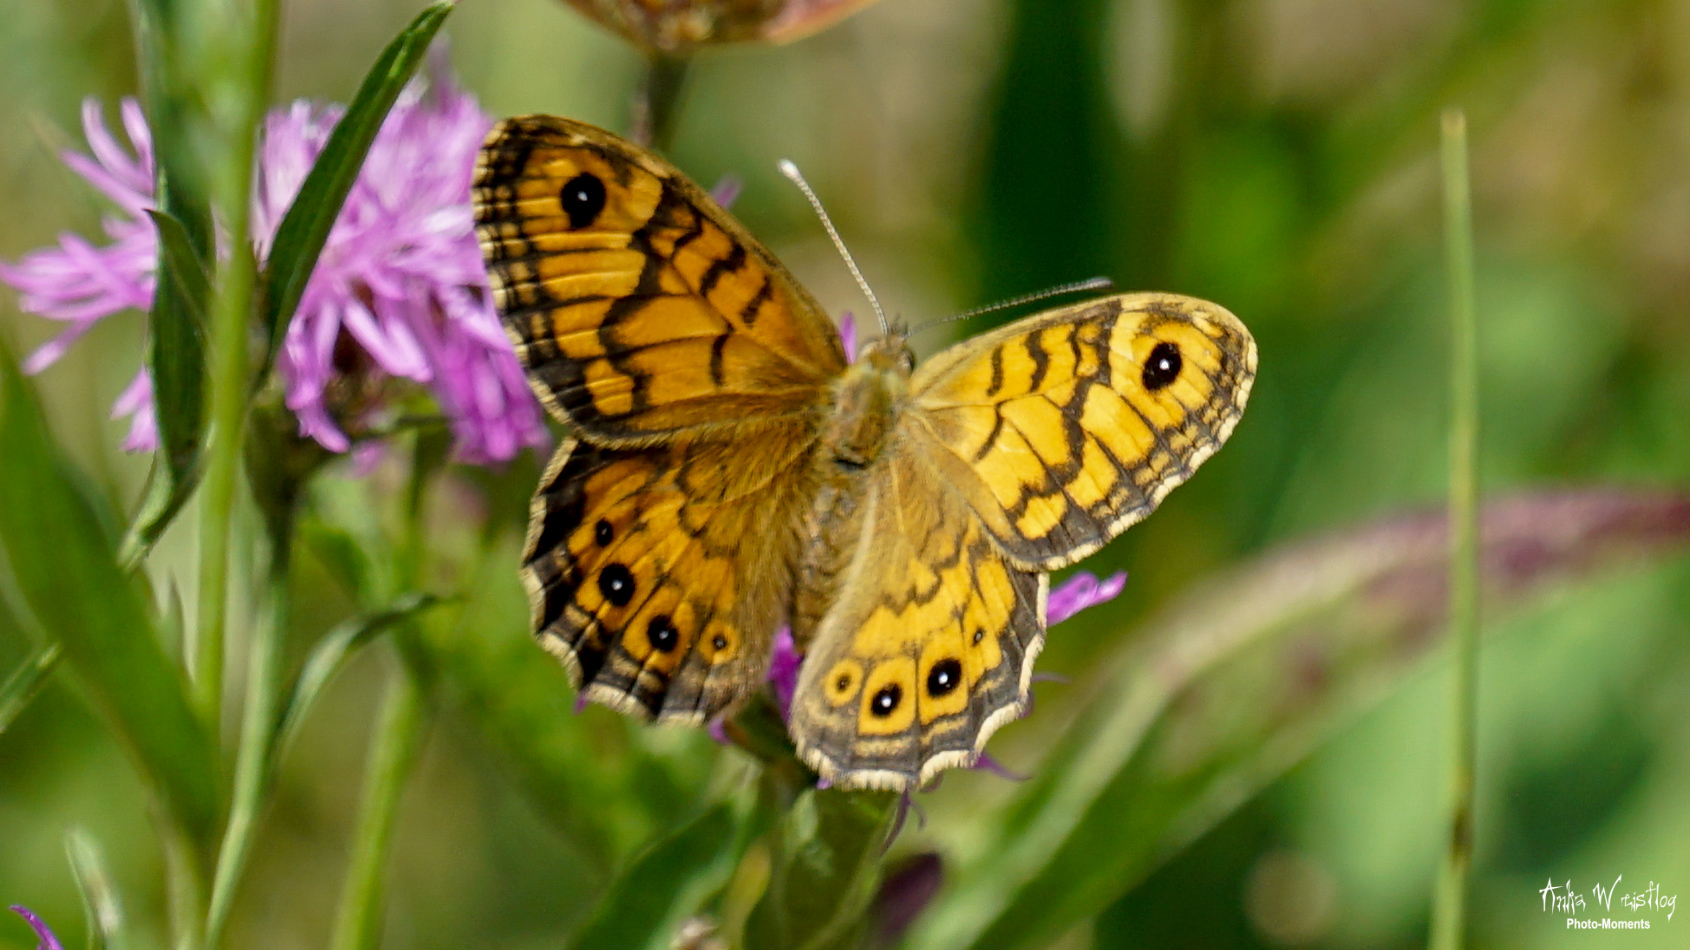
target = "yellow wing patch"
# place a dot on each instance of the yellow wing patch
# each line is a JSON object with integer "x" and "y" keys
{"x": 929, "y": 644}
{"x": 1066, "y": 428}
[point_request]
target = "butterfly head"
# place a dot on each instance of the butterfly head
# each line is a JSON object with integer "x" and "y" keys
{"x": 889, "y": 353}
{"x": 867, "y": 400}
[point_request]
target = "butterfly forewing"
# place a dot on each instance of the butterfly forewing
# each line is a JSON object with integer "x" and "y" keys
{"x": 1067, "y": 427}
{"x": 638, "y": 307}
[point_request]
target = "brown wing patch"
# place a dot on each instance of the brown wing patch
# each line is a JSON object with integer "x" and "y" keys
{"x": 1067, "y": 427}
{"x": 638, "y": 307}
{"x": 653, "y": 574}
{"x": 929, "y": 645}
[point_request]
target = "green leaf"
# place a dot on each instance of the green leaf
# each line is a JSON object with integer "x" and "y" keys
{"x": 826, "y": 865}
{"x": 176, "y": 360}
{"x": 23, "y": 685}
{"x": 305, "y": 227}
{"x": 62, "y": 562}
{"x": 177, "y": 352}
{"x": 330, "y": 654}
{"x": 664, "y": 885}
{"x": 1300, "y": 641}
{"x": 100, "y": 903}
{"x": 175, "y": 112}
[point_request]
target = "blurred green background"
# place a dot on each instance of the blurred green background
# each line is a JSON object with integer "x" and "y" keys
{"x": 1277, "y": 156}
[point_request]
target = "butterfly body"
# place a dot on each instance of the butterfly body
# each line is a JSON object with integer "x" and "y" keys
{"x": 866, "y": 402}
{"x": 729, "y": 470}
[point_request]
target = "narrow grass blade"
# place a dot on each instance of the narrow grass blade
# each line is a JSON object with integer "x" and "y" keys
{"x": 63, "y": 563}
{"x": 100, "y": 903}
{"x": 663, "y": 886}
{"x": 1449, "y": 907}
{"x": 1298, "y": 642}
{"x": 305, "y": 228}
{"x": 24, "y": 683}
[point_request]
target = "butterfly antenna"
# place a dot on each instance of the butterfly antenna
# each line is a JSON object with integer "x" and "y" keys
{"x": 1078, "y": 286}
{"x": 791, "y": 171}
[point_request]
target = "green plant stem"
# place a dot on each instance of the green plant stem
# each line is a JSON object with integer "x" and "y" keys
{"x": 657, "y": 105}
{"x": 184, "y": 869}
{"x": 398, "y": 734}
{"x": 397, "y": 741}
{"x": 230, "y": 338}
{"x": 253, "y": 778}
{"x": 1449, "y": 909}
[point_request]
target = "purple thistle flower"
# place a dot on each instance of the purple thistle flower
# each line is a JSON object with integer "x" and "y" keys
{"x": 783, "y": 669}
{"x": 1079, "y": 592}
{"x": 398, "y": 293}
{"x": 78, "y": 283}
{"x": 848, "y": 335}
{"x": 136, "y": 402}
{"x": 48, "y": 941}
{"x": 726, "y": 191}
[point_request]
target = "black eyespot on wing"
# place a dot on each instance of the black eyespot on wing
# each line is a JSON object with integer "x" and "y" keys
{"x": 1162, "y": 367}
{"x": 662, "y": 633}
{"x": 719, "y": 642}
{"x": 979, "y": 634}
{"x": 603, "y": 533}
{"x": 944, "y": 677}
{"x": 885, "y": 701}
{"x": 616, "y": 583}
{"x": 583, "y": 200}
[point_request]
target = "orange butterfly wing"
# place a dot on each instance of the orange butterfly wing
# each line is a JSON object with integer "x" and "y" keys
{"x": 1068, "y": 427}
{"x": 637, "y": 305}
{"x": 689, "y": 367}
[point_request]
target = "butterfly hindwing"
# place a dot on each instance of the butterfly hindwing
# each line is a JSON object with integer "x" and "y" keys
{"x": 1065, "y": 428}
{"x": 653, "y": 574}
{"x": 637, "y": 305}
{"x": 929, "y": 643}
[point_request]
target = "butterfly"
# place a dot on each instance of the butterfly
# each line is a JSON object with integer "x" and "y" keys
{"x": 728, "y": 469}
